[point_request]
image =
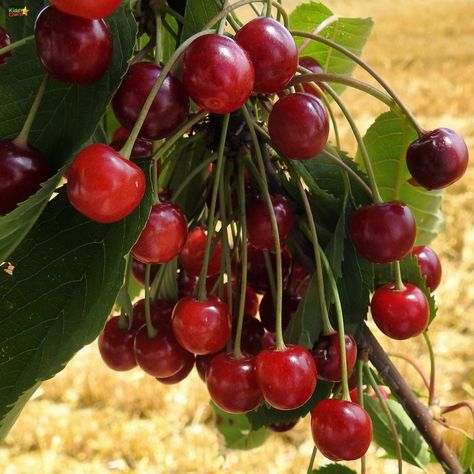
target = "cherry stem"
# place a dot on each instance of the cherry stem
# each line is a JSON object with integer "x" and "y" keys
{"x": 462, "y": 404}
{"x": 16, "y": 44}
{"x": 360, "y": 395}
{"x": 152, "y": 332}
{"x": 125, "y": 320}
{"x": 414, "y": 364}
{"x": 280, "y": 343}
{"x": 223, "y": 22}
{"x": 311, "y": 460}
{"x": 212, "y": 209}
{"x": 126, "y": 150}
{"x": 269, "y": 8}
{"x": 432, "y": 399}
{"x": 399, "y": 286}
{"x": 367, "y": 68}
{"x": 154, "y": 175}
{"x": 22, "y": 138}
{"x": 271, "y": 276}
{"x": 197, "y": 170}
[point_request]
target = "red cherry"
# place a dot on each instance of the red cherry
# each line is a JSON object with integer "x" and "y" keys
{"x": 72, "y": 49}
{"x": 138, "y": 271}
{"x": 87, "y": 8}
{"x": 141, "y": 147}
{"x": 287, "y": 378}
{"x": 273, "y": 53}
{"x": 191, "y": 256}
{"x": 187, "y": 285}
{"x": 202, "y": 364}
{"x": 163, "y": 236}
{"x": 116, "y": 346}
{"x": 170, "y": 106}
{"x": 438, "y": 159}
{"x": 5, "y": 40}
{"x": 267, "y": 310}
{"x": 299, "y": 126}
{"x": 299, "y": 281}
{"x": 341, "y": 430}
{"x": 260, "y": 234}
{"x": 181, "y": 374}
{"x": 22, "y": 170}
{"x": 251, "y": 299}
{"x": 310, "y": 63}
{"x": 217, "y": 73}
{"x": 383, "y": 232}
{"x": 232, "y": 383}
{"x": 252, "y": 335}
{"x": 282, "y": 427}
{"x": 354, "y": 394}
{"x": 103, "y": 185}
{"x": 160, "y": 313}
{"x": 202, "y": 327}
{"x": 400, "y": 314}
{"x": 327, "y": 355}
{"x": 430, "y": 265}
{"x": 269, "y": 340}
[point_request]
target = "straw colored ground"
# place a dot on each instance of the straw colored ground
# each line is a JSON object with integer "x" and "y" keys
{"x": 91, "y": 420}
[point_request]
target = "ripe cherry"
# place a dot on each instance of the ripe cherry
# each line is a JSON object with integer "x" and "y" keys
{"x": 260, "y": 234}
{"x": 251, "y": 299}
{"x": 191, "y": 256}
{"x": 299, "y": 281}
{"x": 103, "y": 185}
{"x": 383, "y": 232}
{"x": 252, "y": 335}
{"x": 438, "y": 159}
{"x": 202, "y": 364}
{"x": 201, "y": 327}
{"x": 269, "y": 340}
{"x": 217, "y": 73}
{"x": 141, "y": 147}
{"x": 310, "y": 63}
{"x": 267, "y": 310}
{"x": 273, "y": 53}
{"x": 138, "y": 271}
{"x": 430, "y": 265}
{"x": 160, "y": 313}
{"x": 341, "y": 430}
{"x": 232, "y": 383}
{"x": 299, "y": 126}
{"x": 87, "y": 8}
{"x": 327, "y": 355}
{"x": 72, "y": 49}
{"x": 181, "y": 374}
{"x": 287, "y": 378}
{"x": 170, "y": 106}
{"x": 22, "y": 170}
{"x": 400, "y": 314}
{"x": 354, "y": 394}
{"x": 163, "y": 236}
{"x": 116, "y": 345}
{"x": 5, "y": 40}
{"x": 282, "y": 427}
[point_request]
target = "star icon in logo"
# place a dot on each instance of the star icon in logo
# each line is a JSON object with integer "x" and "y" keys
{"x": 25, "y": 11}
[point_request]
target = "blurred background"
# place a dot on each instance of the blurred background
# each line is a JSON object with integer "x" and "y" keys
{"x": 92, "y": 420}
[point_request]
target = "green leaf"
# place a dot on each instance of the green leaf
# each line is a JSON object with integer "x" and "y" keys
{"x": 414, "y": 450}
{"x": 170, "y": 41}
{"x": 197, "y": 15}
{"x": 237, "y": 431}
{"x": 467, "y": 456}
{"x": 352, "y": 33}
{"x": 71, "y": 270}
{"x": 333, "y": 469}
{"x": 387, "y": 140}
{"x": 168, "y": 283}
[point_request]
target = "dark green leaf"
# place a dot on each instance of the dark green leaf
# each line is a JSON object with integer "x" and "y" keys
{"x": 168, "y": 283}
{"x": 333, "y": 469}
{"x": 198, "y": 13}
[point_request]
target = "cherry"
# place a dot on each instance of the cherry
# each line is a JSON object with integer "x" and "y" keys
{"x": 181, "y": 374}
{"x": 400, "y": 314}
{"x": 191, "y": 256}
{"x": 341, "y": 430}
{"x": 383, "y": 232}
{"x": 160, "y": 313}
{"x": 267, "y": 310}
{"x": 252, "y": 335}
{"x": 282, "y": 427}
{"x": 327, "y": 355}
{"x": 5, "y": 40}
{"x": 217, "y": 73}
{"x": 354, "y": 394}
{"x": 201, "y": 327}
{"x": 72, "y": 49}
{"x": 138, "y": 271}
{"x": 251, "y": 299}
{"x": 232, "y": 383}
{"x": 141, "y": 147}
{"x": 87, "y": 8}
{"x": 22, "y": 170}
{"x": 163, "y": 236}
{"x": 299, "y": 126}
{"x": 315, "y": 67}
{"x": 269, "y": 340}
{"x": 170, "y": 106}
{"x": 187, "y": 285}
{"x": 260, "y": 234}
{"x": 287, "y": 378}
{"x": 438, "y": 158}
{"x": 273, "y": 53}
{"x": 160, "y": 356}
{"x": 430, "y": 265}
{"x": 202, "y": 364}
{"x": 116, "y": 346}
{"x": 103, "y": 185}
{"x": 299, "y": 281}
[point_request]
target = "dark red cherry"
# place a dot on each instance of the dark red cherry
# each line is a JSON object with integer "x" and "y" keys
{"x": 103, "y": 185}
{"x": 141, "y": 147}
{"x": 299, "y": 126}
{"x": 116, "y": 346}
{"x": 87, "y": 8}
{"x": 267, "y": 310}
{"x": 341, "y": 430}
{"x": 138, "y": 271}
{"x": 202, "y": 364}
{"x": 170, "y": 107}
{"x": 163, "y": 236}
{"x": 273, "y": 53}
{"x": 160, "y": 313}
{"x": 22, "y": 170}
{"x": 269, "y": 340}
{"x": 400, "y": 314}
{"x": 327, "y": 355}
{"x": 251, "y": 299}
{"x": 217, "y": 73}
{"x": 383, "y": 232}
{"x": 252, "y": 335}
{"x": 72, "y": 49}
{"x": 191, "y": 256}
{"x": 181, "y": 374}
{"x": 287, "y": 378}
{"x": 438, "y": 159}
{"x": 299, "y": 281}
{"x": 5, "y": 40}
{"x": 310, "y": 63}
{"x": 282, "y": 427}
{"x": 232, "y": 383}
{"x": 260, "y": 234}
{"x": 187, "y": 285}
{"x": 430, "y": 265}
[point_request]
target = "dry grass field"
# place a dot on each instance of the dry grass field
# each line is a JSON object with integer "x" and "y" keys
{"x": 91, "y": 420}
